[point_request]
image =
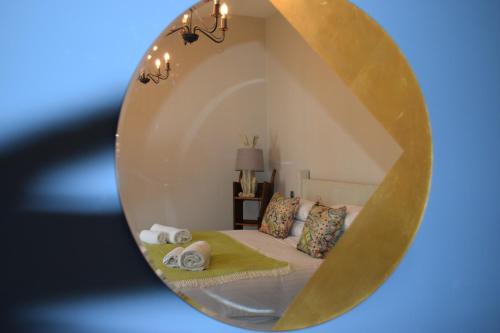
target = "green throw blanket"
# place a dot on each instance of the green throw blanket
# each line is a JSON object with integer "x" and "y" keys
{"x": 230, "y": 260}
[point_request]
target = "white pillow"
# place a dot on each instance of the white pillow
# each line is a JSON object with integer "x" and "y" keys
{"x": 297, "y": 227}
{"x": 352, "y": 213}
{"x": 304, "y": 209}
{"x": 349, "y": 219}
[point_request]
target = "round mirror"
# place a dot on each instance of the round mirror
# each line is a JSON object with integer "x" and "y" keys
{"x": 273, "y": 159}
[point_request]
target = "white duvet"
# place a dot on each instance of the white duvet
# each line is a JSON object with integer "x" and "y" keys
{"x": 258, "y": 303}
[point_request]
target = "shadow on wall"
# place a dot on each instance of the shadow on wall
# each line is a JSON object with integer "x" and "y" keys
{"x": 275, "y": 158}
{"x": 50, "y": 255}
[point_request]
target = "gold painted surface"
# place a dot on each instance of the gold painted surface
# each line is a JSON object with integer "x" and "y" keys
{"x": 371, "y": 64}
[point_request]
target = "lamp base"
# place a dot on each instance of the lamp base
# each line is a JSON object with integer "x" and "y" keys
{"x": 248, "y": 183}
{"x": 246, "y": 195}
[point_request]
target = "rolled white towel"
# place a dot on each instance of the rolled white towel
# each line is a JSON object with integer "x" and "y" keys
{"x": 175, "y": 235}
{"x": 195, "y": 257}
{"x": 171, "y": 259}
{"x": 153, "y": 237}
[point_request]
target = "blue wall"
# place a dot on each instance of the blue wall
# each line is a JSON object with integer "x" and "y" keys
{"x": 65, "y": 67}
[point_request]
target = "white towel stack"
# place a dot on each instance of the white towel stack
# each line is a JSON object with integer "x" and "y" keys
{"x": 153, "y": 237}
{"x": 175, "y": 235}
{"x": 158, "y": 234}
{"x": 195, "y": 257}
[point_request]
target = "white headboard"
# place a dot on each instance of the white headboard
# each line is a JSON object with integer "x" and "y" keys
{"x": 334, "y": 192}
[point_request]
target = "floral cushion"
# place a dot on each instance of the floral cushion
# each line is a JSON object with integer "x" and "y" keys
{"x": 321, "y": 231}
{"x": 279, "y": 215}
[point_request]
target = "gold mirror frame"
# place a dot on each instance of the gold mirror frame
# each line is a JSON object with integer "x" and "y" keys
{"x": 375, "y": 70}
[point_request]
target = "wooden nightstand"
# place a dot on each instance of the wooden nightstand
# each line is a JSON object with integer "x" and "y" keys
{"x": 265, "y": 191}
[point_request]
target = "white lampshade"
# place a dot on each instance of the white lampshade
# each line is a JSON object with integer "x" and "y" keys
{"x": 249, "y": 159}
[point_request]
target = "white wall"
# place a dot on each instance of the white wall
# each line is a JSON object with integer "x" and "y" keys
{"x": 314, "y": 121}
{"x": 180, "y": 138}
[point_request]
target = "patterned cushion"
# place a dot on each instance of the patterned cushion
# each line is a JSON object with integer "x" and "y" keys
{"x": 279, "y": 215}
{"x": 323, "y": 228}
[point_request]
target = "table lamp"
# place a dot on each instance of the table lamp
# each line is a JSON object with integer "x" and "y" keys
{"x": 249, "y": 160}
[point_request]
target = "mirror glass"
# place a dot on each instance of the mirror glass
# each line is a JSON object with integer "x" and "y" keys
{"x": 201, "y": 154}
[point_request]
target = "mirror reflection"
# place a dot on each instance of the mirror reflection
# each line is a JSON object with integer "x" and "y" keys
{"x": 245, "y": 164}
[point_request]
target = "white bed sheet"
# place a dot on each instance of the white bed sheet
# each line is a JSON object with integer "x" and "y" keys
{"x": 259, "y": 302}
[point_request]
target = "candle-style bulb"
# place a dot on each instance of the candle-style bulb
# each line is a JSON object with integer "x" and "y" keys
{"x": 185, "y": 18}
{"x": 149, "y": 56}
{"x": 158, "y": 63}
{"x": 216, "y": 2}
{"x": 155, "y": 48}
{"x": 166, "y": 56}
{"x": 224, "y": 9}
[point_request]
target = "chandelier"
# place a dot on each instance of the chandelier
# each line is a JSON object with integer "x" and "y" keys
{"x": 190, "y": 33}
{"x": 160, "y": 73}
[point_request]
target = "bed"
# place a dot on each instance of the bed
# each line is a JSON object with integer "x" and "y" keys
{"x": 260, "y": 301}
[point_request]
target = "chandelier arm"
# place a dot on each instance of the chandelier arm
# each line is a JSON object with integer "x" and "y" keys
{"x": 203, "y": 29}
{"x": 153, "y": 78}
{"x": 184, "y": 27}
{"x": 164, "y": 77}
{"x": 216, "y": 24}
{"x": 216, "y": 16}
{"x": 212, "y": 37}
